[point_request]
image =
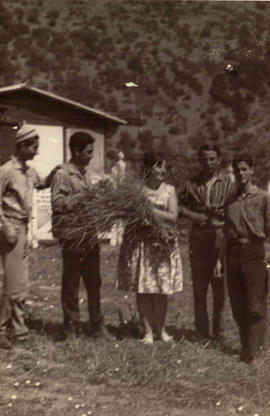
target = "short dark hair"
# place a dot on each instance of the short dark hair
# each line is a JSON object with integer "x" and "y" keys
{"x": 243, "y": 157}
{"x": 207, "y": 147}
{"x": 149, "y": 159}
{"x": 80, "y": 140}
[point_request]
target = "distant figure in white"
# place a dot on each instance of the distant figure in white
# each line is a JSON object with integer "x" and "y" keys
{"x": 230, "y": 172}
{"x": 118, "y": 171}
{"x": 118, "y": 174}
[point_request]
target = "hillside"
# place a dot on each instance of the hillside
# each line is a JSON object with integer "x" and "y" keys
{"x": 202, "y": 68}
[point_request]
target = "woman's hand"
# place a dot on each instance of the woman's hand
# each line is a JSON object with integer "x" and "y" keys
{"x": 218, "y": 270}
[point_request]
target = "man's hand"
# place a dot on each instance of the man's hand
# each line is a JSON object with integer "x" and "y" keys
{"x": 73, "y": 201}
{"x": 216, "y": 223}
{"x": 201, "y": 219}
{"x": 218, "y": 270}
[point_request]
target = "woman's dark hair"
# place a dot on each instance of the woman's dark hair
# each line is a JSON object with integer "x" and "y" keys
{"x": 207, "y": 147}
{"x": 80, "y": 140}
{"x": 243, "y": 157}
{"x": 149, "y": 159}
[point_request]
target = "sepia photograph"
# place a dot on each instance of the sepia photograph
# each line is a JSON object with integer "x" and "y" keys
{"x": 134, "y": 207}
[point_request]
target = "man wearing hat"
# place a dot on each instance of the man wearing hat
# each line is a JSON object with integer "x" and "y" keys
{"x": 17, "y": 181}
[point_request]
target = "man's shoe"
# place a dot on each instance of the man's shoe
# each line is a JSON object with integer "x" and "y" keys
{"x": 5, "y": 343}
{"x": 202, "y": 339}
{"x": 246, "y": 358}
{"x": 219, "y": 339}
{"x": 71, "y": 335}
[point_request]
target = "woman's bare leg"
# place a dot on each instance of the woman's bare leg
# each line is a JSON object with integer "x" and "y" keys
{"x": 160, "y": 311}
{"x": 145, "y": 308}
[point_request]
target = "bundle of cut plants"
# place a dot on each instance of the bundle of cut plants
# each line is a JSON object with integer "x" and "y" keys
{"x": 96, "y": 211}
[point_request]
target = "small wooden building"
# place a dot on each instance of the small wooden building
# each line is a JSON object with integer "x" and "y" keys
{"x": 55, "y": 118}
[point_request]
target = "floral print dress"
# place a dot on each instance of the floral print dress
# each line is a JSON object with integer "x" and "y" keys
{"x": 141, "y": 268}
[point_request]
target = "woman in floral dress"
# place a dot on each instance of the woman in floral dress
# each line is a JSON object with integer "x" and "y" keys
{"x": 142, "y": 268}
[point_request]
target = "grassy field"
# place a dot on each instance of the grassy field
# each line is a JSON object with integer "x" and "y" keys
{"x": 120, "y": 376}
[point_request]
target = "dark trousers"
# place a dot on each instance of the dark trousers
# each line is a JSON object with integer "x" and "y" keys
{"x": 248, "y": 287}
{"x": 203, "y": 256}
{"x": 75, "y": 267}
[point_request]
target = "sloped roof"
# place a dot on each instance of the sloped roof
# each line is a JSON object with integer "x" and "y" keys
{"x": 24, "y": 87}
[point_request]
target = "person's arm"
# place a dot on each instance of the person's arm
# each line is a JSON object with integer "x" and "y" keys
{"x": 43, "y": 183}
{"x": 185, "y": 211}
{"x": 8, "y": 229}
{"x": 3, "y": 185}
{"x": 267, "y": 227}
{"x": 219, "y": 267}
{"x": 62, "y": 198}
{"x": 60, "y": 191}
{"x": 197, "y": 217}
{"x": 172, "y": 214}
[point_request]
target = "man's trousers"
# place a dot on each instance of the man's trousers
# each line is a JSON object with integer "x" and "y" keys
{"x": 16, "y": 282}
{"x": 75, "y": 267}
{"x": 248, "y": 287}
{"x": 203, "y": 257}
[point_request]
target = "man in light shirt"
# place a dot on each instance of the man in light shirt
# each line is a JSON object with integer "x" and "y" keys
{"x": 17, "y": 182}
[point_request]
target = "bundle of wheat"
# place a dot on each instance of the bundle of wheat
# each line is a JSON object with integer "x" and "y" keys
{"x": 97, "y": 211}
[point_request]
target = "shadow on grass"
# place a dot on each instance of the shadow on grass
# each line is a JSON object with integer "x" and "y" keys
{"x": 181, "y": 333}
{"x": 125, "y": 330}
{"x": 129, "y": 330}
{"x": 52, "y": 329}
{"x": 190, "y": 335}
{"x": 55, "y": 330}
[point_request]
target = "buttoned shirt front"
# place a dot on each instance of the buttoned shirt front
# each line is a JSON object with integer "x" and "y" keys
{"x": 248, "y": 215}
{"x": 206, "y": 197}
{"x": 17, "y": 181}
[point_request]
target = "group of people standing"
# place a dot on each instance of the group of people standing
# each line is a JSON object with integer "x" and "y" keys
{"x": 230, "y": 223}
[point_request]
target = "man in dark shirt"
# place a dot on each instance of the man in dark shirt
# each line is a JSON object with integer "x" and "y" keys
{"x": 247, "y": 227}
{"x": 203, "y": 200}
{"x": 70, "y": 183}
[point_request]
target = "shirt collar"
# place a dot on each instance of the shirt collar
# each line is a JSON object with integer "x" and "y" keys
{"x": 74, "y": 168}
{"x": 253, "y": 189}
{"x": 218, "y": 176}
{"x": 17, "y": 164}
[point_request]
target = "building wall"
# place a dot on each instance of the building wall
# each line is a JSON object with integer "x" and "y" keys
{"x": 51, "y": 147}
